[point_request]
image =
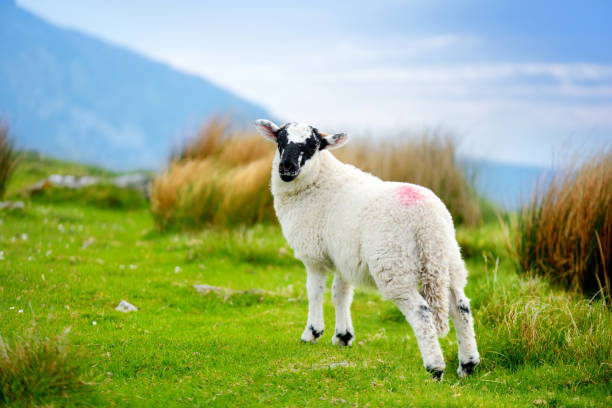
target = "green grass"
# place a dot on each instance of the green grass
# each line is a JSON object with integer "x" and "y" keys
{"x": 75, "y": 263}
{"x": 67, "y": 261}
{"x": 103, "y": 195}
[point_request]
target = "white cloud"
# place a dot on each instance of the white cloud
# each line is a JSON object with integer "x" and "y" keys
{"x": 484, "y": 72}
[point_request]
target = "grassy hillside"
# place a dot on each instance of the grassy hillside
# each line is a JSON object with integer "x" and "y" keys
{"x": 34, "y": 167}
{"x": 68, "y": 265}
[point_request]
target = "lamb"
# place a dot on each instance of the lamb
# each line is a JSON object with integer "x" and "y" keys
{"x": 398, "y": 237}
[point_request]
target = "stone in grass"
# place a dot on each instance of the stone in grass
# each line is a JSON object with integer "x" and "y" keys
{"x": 326, "y": 366}
{"x": 228, "y": 294}
{"x": 126, "y": 307}
{"x": 206, "y": 289}
{"x": 12, "y": 205}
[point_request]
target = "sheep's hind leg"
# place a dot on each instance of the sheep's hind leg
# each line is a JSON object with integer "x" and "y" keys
{"x": 421, "y": 319}
{"x": 464, "y": 326}
{"x": 315, "y": 285}
{"x": 342, "y": 296}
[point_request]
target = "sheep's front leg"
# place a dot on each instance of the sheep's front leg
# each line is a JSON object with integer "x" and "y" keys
{"x": 342, "y": 296}
{"x": 315, "y": 285}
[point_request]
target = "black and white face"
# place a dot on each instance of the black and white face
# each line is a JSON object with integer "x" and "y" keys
{"x": 297, "y": 143}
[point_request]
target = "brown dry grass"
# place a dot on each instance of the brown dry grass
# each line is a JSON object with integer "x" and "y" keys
{"x": 222, "y": 177}
{"x": 8, "y": 158}
{"x": 218, "y": 178}
{"x": 565, "y": 233}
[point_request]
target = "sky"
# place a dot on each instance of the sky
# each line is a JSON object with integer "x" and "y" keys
{"x": 526, "y": 82}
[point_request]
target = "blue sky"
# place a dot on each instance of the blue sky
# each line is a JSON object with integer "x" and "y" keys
{"x": 517, "y": 81}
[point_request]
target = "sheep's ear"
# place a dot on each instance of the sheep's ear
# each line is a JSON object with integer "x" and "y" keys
{"x": 334, "y": 141}
{"x": 267, "y": 129}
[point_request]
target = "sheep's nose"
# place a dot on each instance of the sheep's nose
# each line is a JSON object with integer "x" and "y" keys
{"x": 287, "y": 166}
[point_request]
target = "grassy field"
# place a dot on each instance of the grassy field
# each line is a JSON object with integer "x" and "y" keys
{"x": 32, "y": 167}
{"x": 68, "y": 265}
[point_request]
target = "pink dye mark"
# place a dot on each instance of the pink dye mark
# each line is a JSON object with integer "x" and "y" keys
{"x": 409, "y": 194}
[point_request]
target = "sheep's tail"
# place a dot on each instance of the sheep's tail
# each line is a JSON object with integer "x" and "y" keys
{"x": 435, "y": 276}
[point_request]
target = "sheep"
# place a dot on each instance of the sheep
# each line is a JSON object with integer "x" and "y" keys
{"x": 397, "y": 237}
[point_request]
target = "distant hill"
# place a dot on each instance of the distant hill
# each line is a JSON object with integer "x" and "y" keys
{"x": 76, "y": 97}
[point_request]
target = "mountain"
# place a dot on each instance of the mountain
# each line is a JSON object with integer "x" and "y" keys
{"x": 70, "y": 95}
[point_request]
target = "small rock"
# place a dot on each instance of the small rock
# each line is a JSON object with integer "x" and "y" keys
{"x": 331, "y": 366}
{"x": 136, "y": 181}
{"x": 88, "y": 242}
{"x": 12, "y": 205}
{"x": 205, "y": 289}
{"x": 126, "y": 307}
{"x": 70, "y": 181}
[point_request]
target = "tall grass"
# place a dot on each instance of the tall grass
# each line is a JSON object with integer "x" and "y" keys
{"x": 530, "y": 324}
{"x": 222, "y": 177}
{"x": 8, "y": 158}
{"x": 38, "y": 369}
{"x": 565, "y": 232}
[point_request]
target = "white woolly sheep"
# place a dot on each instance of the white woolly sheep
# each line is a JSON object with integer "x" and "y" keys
{"x": 396, "y": 236}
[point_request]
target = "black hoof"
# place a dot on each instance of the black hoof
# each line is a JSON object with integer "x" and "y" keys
{"x": 315, "y": 334}
{"x": 436, "y": 373}
{"x": 344, "y": 338}
{"x": 468, "y": 368}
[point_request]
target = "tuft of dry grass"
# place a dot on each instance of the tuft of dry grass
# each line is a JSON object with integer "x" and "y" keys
{"x": 222, "y": 177}
{"x": 219, "y": 178}
{"x": 37, "y": 369}
{"x": 8, "y": 158}
{"x": 565, "y": 232}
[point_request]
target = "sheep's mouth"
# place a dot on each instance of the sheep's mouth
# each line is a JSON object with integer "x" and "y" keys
{"x": 287, "y": 177}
